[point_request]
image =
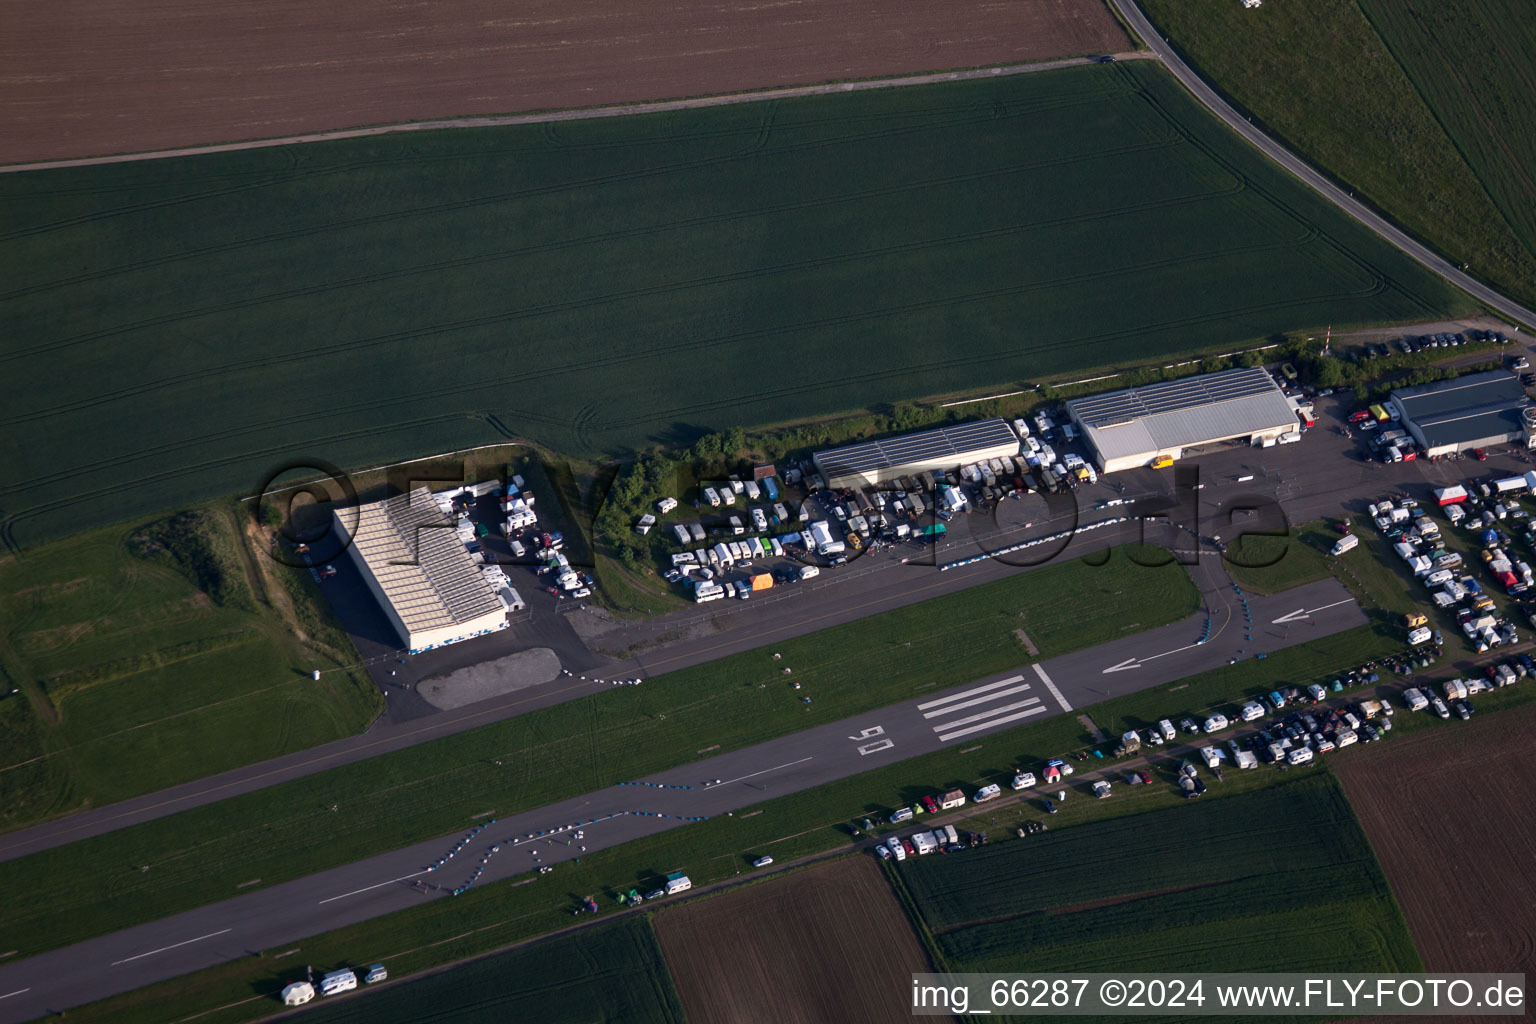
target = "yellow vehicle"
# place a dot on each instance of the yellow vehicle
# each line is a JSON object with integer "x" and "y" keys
{"x": 1162, "y": 462}
{"x": 1413, "y": 619}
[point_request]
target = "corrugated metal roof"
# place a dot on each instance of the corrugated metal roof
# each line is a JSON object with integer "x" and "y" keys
{"x": 1466, "y": 410}
{"x": 956, "y": 445}
{"x": 1183, "y": 413}
{"x": 412, "y": 549}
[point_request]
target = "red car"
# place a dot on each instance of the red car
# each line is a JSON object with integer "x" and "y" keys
{"x": 911, "y": 850}
{"x": 1478, "y": 454}
{"x": 1359, "y": 416}
{"x": 930, "y": 805}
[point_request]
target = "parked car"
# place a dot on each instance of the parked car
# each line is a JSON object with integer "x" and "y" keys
{"x": 762, "y": 862}
{"x": 1440, "y": 708}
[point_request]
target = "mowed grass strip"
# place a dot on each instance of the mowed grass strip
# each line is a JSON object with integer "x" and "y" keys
{"x": 616, "y": 734}
{"x": 1423, "y": 107}
{"x": 175, "y": 329}
{"x": 138, "y": 670}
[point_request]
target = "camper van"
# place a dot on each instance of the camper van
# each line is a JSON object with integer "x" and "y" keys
{"x": 338, "y": 981}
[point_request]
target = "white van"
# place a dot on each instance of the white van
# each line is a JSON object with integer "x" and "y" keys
{"x": 338, "y": 981}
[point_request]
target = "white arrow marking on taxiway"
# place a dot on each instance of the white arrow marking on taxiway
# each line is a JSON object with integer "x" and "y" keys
{"x": 1302, "y": 613}
{"x": 1130, "y": 663}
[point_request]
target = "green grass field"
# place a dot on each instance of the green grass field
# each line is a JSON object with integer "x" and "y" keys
{"x": 1278, "y": 878}
{"x": 615, "y": 973}
{"x": 613, "y": 735}
{"x": 1425, "y": 107}
{"x": 140, "y": 667}
{"x": 174, "y": 329}
{"x": 1268, "y": 565}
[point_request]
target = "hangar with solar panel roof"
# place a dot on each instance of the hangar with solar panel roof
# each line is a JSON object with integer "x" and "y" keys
{"x": 946, "y": 448}
{"x": 1137, "y": 426}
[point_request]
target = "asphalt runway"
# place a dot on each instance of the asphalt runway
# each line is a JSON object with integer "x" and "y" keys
{"x": 1237, "y": 626}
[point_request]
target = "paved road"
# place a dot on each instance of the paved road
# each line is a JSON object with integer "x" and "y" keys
{"x": 269, "y": 918}
{"x": 1339, "y": 197}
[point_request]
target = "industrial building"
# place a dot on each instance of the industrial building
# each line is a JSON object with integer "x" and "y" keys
{"x": 1131, "y": 428}
{"x": 1474, "y": 411}
{"x": 429, "y": 585}
{"x": 946, "y": 448}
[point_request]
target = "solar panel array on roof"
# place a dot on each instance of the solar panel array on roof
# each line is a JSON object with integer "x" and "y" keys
{"x": 943, "y": 446}
{"x": 412, "y": 550}
{"x": 1193, "y": 392}
{"x": 1129, "y": 427}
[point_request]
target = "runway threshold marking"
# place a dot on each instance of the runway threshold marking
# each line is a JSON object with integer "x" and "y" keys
{"x": 174, "y": 945}
{"x": 1037, "y": 710}
{"x": 1052, "y": 687}
{"x": 367, "y": 888}
{"x": 993, "y": 713}
{"x": 967, "y": 693}
{"x": 977, "y": 700}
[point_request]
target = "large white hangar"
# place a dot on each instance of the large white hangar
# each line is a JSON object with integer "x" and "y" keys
{"x": 879, "y": 462}
{"x": 1133, "y": 427}
{"x": 422, "y": 575}
{"x": 1474, "y": 411}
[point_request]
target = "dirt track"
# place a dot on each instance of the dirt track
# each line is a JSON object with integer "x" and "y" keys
{"x": 89, "y": 77}
{"x": 1448, "y": 812}
{"x": 829, "y": 942}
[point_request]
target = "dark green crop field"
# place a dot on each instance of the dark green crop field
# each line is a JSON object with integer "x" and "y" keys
{"x": 1470, "y": 60}
{"x": 174, "y": 329}
{"x": 1280, "y": 878}
{"x": 1426, "y": 107}
{"x": 613, "y": 973}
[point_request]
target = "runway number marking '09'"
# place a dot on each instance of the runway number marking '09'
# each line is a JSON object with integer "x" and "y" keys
{"x": 877, "y": 745}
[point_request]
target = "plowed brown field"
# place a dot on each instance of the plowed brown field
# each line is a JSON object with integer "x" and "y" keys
{"x": 826, "y": 943}
{"x": 91, "y": 77}
{"x": 1448, "y": 810}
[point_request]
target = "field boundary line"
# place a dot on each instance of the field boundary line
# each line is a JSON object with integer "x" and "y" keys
{"x": 579, "y": 114}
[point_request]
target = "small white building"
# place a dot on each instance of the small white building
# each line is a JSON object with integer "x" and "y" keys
{"x": 297, "y": 994}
